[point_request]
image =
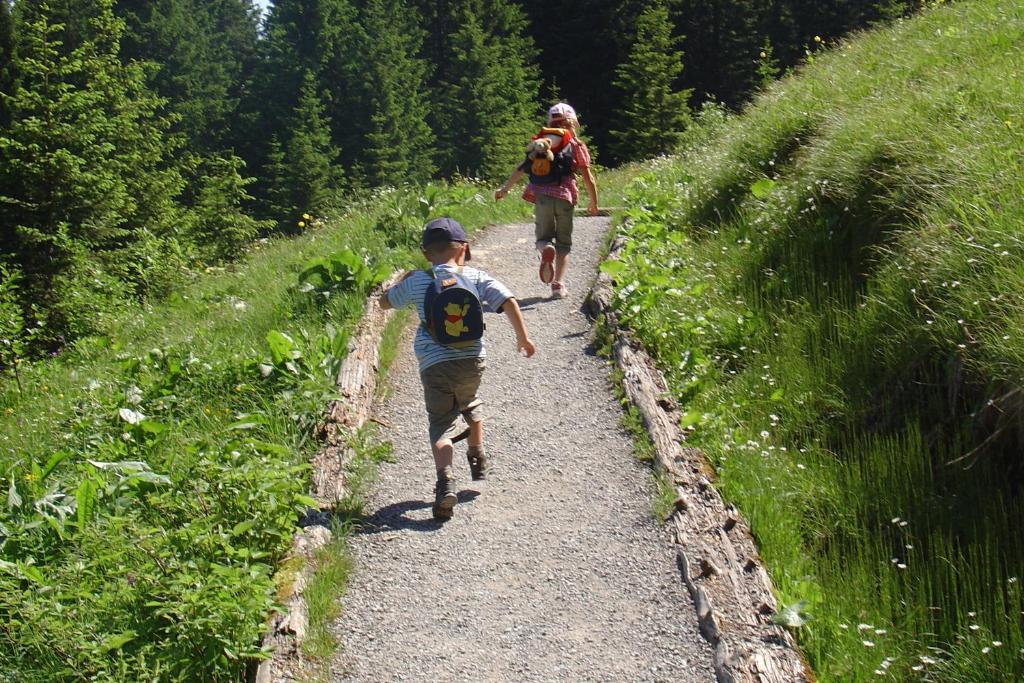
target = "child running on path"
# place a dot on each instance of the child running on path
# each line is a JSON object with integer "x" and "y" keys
{"x": 451, "y": 376}
{"x": 554, "y": 202}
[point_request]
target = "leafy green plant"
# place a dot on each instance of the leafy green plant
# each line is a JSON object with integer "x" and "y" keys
{"x": 342, "y": 271}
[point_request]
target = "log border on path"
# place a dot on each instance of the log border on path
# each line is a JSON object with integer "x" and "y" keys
{"x": 717, "y": 555}
{"x": 357, "y": 386}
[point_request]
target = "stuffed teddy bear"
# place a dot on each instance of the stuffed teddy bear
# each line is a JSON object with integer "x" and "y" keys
{"x": 540, "y": 148}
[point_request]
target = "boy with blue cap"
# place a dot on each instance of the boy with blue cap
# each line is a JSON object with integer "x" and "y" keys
{"x": 451, "y": 375}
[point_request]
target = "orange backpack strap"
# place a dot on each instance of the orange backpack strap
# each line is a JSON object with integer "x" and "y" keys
{"x": 563, "y": 134}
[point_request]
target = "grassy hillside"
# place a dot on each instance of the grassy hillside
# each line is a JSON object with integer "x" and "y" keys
{"x": 833, "y": 283}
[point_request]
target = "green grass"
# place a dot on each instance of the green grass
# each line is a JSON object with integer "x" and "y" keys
{"x": 831, "y": 282}
{"x": 333, "y": 563}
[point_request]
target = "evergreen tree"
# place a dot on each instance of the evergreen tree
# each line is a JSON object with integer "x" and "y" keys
{"x": 84, "y": 163}
{"x": 722, "y": 41}
{"x": 236, "y": 24}
{"x": 217, "y": 224}
{"x": 397, "y": 144}
{"x": 302, "y": 173}
{"x": 6, "y": 61}
{"x": 581, "y": 43}
{"x": 310, "y": 154}
{"x": 320, "y": 37}
{"x": 7, "y": 86}
{"x": 276, "y": 198}
{"x": 651, "y": 116}
{"x": 487, "y": 94}
{"x": 203, "y": 51}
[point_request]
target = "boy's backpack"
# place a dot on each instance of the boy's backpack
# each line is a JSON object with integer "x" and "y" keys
{"x": 551, "y": 168}
{"x": 452, "y": 309}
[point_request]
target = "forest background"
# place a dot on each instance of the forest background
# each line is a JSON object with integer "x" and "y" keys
{"x": 143, "y": 141}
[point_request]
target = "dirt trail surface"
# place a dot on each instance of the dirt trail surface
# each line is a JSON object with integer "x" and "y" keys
{"x": 553, "y": 568}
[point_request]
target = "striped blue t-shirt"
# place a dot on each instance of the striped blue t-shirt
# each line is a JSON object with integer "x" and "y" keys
{"x": 411, "y": 292}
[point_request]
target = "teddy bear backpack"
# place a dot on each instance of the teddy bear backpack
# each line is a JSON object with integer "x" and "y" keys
{"x": 452, "y": 311}
{"x": 550, "y": 156}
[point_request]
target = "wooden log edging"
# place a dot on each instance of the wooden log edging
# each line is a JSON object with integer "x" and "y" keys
{"x": 717, "y": 557}
{"x": 357, "y": 386}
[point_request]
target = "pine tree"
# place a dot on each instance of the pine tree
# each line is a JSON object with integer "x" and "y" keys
{"x": 7, "y": 86}
{"x": 236, "y": 24}
{"x": 580, "y": 43}
{"x": 275, "y": 199}
{"x": 310, "y": 154}
{"x": 722, "y": 41}
{"x": 202, "y": 52}
{"x": 652, "y": 116}
{"x": 487, "y": 91}
{"x": 84, "y": 161}
{"x": 397, "y": 144}
{"x": 302, "y": 174}
{"x": 74, "y": 17}
{"x": 6, "y": 61}
{"x": 320, "y": 37}
{"x": 218, "y": 226}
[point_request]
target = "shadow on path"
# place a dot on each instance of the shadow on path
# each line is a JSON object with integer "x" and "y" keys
{"x": 530, "y": 301}
{"x": 394, "y": 517}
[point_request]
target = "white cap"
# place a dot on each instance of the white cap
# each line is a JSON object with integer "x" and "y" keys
{"x": 561, "y": 111}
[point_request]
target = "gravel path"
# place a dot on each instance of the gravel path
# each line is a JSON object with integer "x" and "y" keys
{"x": 552, "y": 569}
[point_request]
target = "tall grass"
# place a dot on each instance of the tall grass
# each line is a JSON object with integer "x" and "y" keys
{"x": 832, "y": 284}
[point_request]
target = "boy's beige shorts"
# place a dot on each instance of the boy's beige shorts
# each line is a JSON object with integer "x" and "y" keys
{"x": 450, "y": 389}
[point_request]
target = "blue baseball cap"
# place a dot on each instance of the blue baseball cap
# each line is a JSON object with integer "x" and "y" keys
{"x": 444, "y": 230}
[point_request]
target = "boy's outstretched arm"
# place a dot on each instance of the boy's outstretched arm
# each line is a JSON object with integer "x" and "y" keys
{"x": 383, "y": 300}
{"x": 515, "y": 316}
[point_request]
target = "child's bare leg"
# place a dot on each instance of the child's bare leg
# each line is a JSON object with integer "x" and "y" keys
{"x": 476, "y": 434}
{"x": 475, "y": 453}
{"x": 443, "y": 451}
{"x": 445, "y": 497}
{"x": 561, "y": 262}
